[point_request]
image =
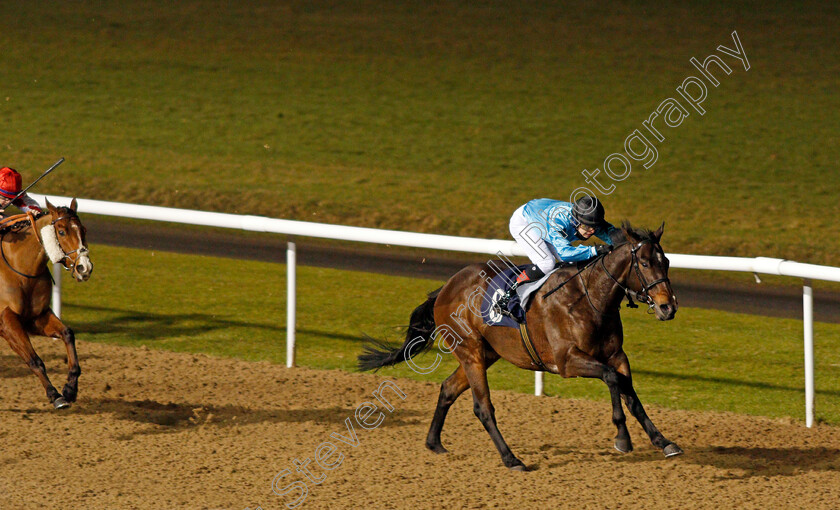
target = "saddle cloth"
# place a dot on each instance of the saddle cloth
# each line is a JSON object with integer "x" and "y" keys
{"x": 518, "y": 304}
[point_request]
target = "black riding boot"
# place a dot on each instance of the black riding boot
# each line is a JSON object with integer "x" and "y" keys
{"x": 530, "y": 274}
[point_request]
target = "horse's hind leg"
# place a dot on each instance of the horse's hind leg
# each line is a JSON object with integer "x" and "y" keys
{"x": 12, "y": 330}
{"x": 450, "y": 390}
{"x": 48, "y": 324}
{"x": 476, "y": 372}
{"x": 622, "y": 366}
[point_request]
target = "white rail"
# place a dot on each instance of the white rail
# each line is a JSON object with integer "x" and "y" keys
{"x": 462, "y": 244}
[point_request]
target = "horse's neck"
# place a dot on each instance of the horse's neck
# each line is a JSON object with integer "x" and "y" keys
{"x": 605, "y": 289}
{"x": 33, "y": 242}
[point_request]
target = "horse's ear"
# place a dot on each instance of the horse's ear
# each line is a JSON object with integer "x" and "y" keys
{"x": 659, "y": 231}
{"x": 50, "y": 207}
{"x": 74, "y": 205}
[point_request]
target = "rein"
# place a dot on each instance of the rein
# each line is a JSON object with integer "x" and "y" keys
{"x": 642, "y": 296}
{"x": 588, "y": 264}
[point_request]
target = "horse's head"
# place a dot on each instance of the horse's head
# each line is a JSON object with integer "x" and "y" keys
{"x": 64, "y": 241}
{"x": 648, "y": 276}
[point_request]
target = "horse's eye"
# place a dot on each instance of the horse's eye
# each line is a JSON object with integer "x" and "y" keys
{"x": 61, "y": 233}
{"x": 644, "y": 264}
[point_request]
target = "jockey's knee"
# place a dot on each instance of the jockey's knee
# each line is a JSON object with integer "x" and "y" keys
{"x": 545, "y": 265}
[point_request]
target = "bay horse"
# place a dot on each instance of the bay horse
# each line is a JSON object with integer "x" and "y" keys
{"x": 27, "y": 243}
{"x": 574, "y": 324}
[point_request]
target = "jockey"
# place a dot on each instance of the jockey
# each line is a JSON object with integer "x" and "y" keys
{"x": 546, "y": 229}
{"x": 10, "y": 186}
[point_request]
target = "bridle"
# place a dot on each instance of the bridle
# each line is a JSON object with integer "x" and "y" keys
{"x": 78, "y": 252}
{"x": 642, "y": 296}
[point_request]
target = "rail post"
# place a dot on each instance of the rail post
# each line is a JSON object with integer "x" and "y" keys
{"x": 56, "y": 290}
{"x": 291, "y": 263}
{"x": 808, "y": 320}
{"x": 538, "y": 383}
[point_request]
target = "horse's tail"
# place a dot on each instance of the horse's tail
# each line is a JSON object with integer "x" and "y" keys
{"x": 379, "y": 354}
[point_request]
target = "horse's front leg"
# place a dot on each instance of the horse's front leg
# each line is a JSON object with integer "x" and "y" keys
{"x": 581, "y": 364}
{"x": 48, "y": 324}
{"x": 12, "y": 330}
{"x": 622, "y": 366}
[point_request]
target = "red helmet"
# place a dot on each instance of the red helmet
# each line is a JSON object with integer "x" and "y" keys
{"x": 10, "y": 182}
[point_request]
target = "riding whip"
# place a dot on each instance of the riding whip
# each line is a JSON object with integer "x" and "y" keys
{"x": 50, "y": 169}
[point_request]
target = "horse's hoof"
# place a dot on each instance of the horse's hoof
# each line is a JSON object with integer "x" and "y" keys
{"x": 437, "y": 448}
{"x": 672, "y": 450}
{"x": 623, "y": 445}
{"x": 515, "y": 464}
{"x": 60, "y": 403}
{"x": 69, "y": 394}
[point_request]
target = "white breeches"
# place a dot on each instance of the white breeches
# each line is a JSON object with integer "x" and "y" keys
{"x": 530, "y": 237}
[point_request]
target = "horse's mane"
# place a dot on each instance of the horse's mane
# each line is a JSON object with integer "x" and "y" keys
{"x": 619, "y": 237}
{"x": 61, "y": 209}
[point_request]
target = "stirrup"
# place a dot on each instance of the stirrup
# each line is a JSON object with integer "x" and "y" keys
{"x": 505, "y": 312}
{"x": 503, "y": 301}
{"x": 505, "y": 298}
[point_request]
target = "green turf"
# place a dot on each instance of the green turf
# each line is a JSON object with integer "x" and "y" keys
{"x": 702, "y": 360}
{"x": 434, "y": 116}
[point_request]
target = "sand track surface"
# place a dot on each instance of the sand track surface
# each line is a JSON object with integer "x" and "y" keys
{"x": 155, "y": 429}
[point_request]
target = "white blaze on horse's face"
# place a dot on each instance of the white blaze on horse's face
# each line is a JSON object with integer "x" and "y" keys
{"x": 665, "y": 302}
{"x": 83, "y": 266}
{"x": 79, "y": 257}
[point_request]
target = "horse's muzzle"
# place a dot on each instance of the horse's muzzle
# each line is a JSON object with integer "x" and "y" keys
{"x": 82, "y": 269}
{"x": 665, "y": 311}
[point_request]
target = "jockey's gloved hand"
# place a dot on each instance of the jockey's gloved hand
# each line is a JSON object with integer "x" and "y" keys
{"x": 603, "y": 249}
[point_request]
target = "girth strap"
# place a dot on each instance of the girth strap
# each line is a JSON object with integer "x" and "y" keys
{"x": 529, "y": 347}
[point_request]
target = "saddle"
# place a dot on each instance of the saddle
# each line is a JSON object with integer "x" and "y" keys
{"x": 514, "y": 313}
{"x": 16, "y": 222}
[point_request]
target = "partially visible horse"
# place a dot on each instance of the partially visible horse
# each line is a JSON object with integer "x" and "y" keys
{"x": 574, "y": 324}
{"x": 27, "y": 243}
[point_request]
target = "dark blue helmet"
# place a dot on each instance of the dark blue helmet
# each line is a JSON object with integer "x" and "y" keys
{"x": 589, "y": 211}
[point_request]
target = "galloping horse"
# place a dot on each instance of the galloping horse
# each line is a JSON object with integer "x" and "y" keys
{"x": 576, "y": 332}
{"x": 26, "y": 244}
